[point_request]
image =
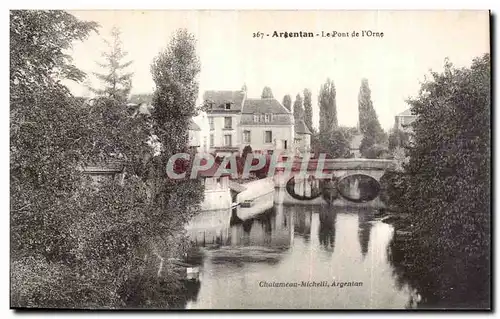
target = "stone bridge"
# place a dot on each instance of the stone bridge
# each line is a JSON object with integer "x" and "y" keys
{"x": 351, "y": 182}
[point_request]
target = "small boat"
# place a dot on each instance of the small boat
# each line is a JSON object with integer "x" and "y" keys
{"x": 192, "y": 272}
{"x": 247, "y": 203}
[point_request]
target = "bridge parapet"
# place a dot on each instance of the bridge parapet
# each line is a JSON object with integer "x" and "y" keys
{"x": 341, "y": 164}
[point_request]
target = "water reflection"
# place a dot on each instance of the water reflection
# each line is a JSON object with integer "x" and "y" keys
{"x": 327, "y": 229}
{"x": 359, "y": 188}
{"x": 364, "y": 230}
{"x": 295, "y": 244}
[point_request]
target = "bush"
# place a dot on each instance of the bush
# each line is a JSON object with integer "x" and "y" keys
{"x": 446, "y": 191}
{"x": 376, "y": 151}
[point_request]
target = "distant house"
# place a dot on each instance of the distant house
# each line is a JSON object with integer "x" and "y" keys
{"x": 142, "y": 104}
{"x": 194, "y": 135}
{"x": 266, "y": 126}
{"x": 237, "y": 121}
{"x": 403, "y": 121}
{"x": 224, "y": 114}
{"x": 302, "y": 140}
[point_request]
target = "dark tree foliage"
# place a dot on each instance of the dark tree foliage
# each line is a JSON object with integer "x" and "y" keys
{"x": 298, "y": 109}
{"x": 377, "y": 151}
{"x": 335, "y": 143}
{"x": 368, "y": 120}
{"x": 398, "y": 138}
{"x": 267, "y": 93}
{"x": 117, "y": 82}
{"x": 287, "y": 102}
{"x": 75, "y": 244}
{"x": 175, "y": 72}
{"x": 308, "y": 111}
{"x": 327, "y": 107}
{"x": 445, "y": 190}
{"x": 47, "y": 144}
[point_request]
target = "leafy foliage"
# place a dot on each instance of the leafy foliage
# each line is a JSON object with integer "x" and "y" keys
{"x": 335, "y": 143}
{"x": 30, "y": 29}
{"x": 267, "y": 93}
{"x": 298, "y": 109}
{"x": 368, "y": 120}
{"x": 74, "y": 244}
{"x": 376, "y": 151}
{"x": 287, "y": 102}
{"x": 398, "y": 138}
{"x": 117, "y": 82}
{"x": 327, "y": 107}
{"x": 308, "y": 111}
{"x": 445, "y": 190}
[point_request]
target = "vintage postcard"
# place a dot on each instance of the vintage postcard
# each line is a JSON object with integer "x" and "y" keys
{"x": 204, "y": 159}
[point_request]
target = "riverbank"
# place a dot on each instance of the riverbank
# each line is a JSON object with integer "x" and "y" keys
{"x": 400, "y": 221}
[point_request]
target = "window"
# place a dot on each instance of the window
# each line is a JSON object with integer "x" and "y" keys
{"x": 212, "y": 140}
{"x": 227, "y": 140}
{"x": 228, "y": 106}
{"x": 262, "y": 117}
{"x": 267, "y": 118}
{"x": 228, "y": 123}
{"x": 246, "y": 136}
{"x": 211, "y": 122}
{"x": 256, "y": 118}
{"x": 268, "y": 137}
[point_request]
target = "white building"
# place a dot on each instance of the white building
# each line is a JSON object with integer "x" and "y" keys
{"x": 403, "y": 121}
{"x": 236, "y": 121}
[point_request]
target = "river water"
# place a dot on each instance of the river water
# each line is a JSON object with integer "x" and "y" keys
{"x": 288, "y": 257}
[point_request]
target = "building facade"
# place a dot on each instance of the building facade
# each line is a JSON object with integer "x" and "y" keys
{"x": 224, "y": 114}
{"x": 403, "y": 121}
{"x": 236, "y": 121}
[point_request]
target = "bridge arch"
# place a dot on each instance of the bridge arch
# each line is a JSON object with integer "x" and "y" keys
{"x": 366, "y": 171}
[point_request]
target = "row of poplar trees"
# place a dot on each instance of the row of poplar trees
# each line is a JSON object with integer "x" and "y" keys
{"x": 74, "y": 245}
{"x": 332, "y": 139}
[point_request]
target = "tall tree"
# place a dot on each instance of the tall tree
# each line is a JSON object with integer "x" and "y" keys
{"x": 446, "y": 189}
{"x": 368, "y": 120}
{"x": 117, "y": 82}
{"x": 267, "y": 93}
{"x": 308, "y": 111}
{"x": 287, "y": 102}
{"x": 48, "y": 134}
{"x": 175, "y": 72}
{"x": 327, "y": 107}
{"x": 298, "y": 109}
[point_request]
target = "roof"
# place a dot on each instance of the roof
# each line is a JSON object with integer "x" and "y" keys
{"x": 301, "y": 127}
{"x": 270, "y": 105}
{"x": 222, "y": 97}
{"x": 405, "y": 113}
{"x": 356, "y": 141}
{"x": 193, "y": 126}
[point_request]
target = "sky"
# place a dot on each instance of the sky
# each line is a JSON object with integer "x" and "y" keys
{"x": 413, "y": 43}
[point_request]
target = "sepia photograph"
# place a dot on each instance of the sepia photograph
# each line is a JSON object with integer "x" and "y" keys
{"x": 250, "y": 160}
